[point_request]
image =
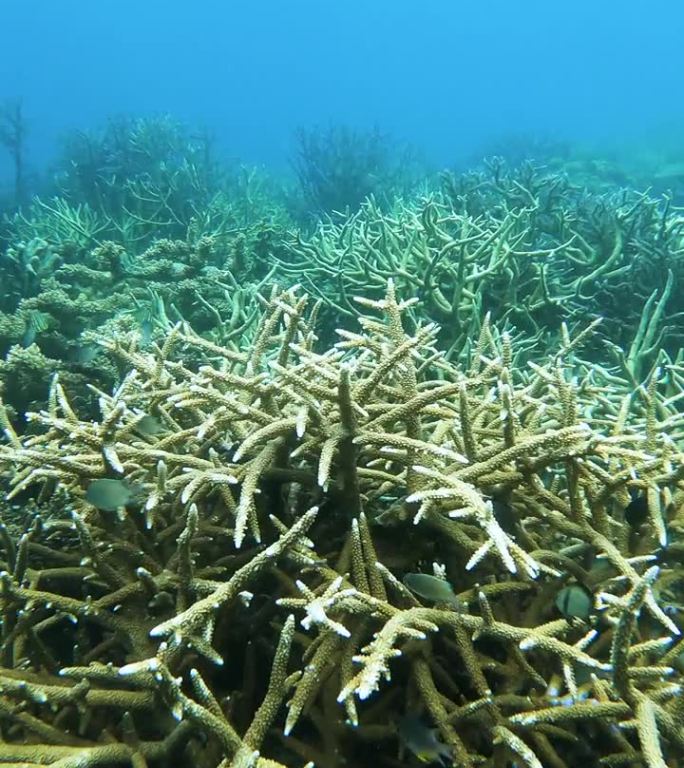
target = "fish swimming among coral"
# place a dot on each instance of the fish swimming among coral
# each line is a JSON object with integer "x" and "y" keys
{"x": 35, "y": 323}
{"x": 423, "y": 741}
{"x": 108, "y": 494}
{"x": 636, "y": 512}
{"x": 432, "y": 588}
{"x": 149, "y": 426}
{"x": 83, "y": 353}
{"x": 574, "y": 601}
{"x": 341, "y": 450}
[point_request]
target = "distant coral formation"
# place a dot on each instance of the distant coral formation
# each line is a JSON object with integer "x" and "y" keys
{"x": 527, "y": 248}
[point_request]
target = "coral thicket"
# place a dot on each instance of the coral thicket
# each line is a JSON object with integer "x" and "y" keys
{"x": 392, "y": 484}
{"x": 285, "y": 495}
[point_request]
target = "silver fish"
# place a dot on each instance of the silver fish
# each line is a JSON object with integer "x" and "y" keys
{"x": 108, "y": 494}
{"x": 149, "y": 426}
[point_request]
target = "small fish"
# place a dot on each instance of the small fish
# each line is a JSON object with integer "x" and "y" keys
{"x": 35, "y": 323}
{"x": 554, "y": 691}
{"x": 574, "y": 601}
{"x": 670, "y": 172}
{"x": 505, "y": 515}
{"x": 636, "y": 512}
{"x": 396, "y": 513}
{"x": 423, "y": 741}
{"x": 431, "y": 588}
{"x": 108, "y": 494}
{"x": 149, "y": 426}
{"x": 83, "y": 353}
{"x": 161, "y": 602}
{"x": 29, "y": 337}
{"x": 146, "y": 329}
{"x": 600, "y": 570}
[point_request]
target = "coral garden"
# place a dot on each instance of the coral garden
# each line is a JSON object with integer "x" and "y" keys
{"x": 396, "y": 482}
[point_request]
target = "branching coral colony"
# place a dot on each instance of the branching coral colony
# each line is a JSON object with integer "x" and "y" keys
{"x": 248, "y": 607}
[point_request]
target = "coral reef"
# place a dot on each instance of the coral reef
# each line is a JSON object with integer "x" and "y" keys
{"x": 59, "y": 300}
{"x": 346, "y": 477}
{"x": 339, "y": 168}
{"x": 522, "y": 245}
{"x": 248, "y": 606}
{"x": 145, "y": 209}
{"x": 145, "y": 176}
{"x": 13, "y": 130}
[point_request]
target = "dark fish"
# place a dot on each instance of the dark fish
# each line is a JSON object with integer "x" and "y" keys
{"x": 36, "y": 323}
{"x": 423, "y": 741}
{"x": 636, "y": 512}
{"x": 505, "y": 515}
{"x": 575, "y": 601}
{"x": 670, "y": 172}
{"x": 397, "y": 512}
{"x": 108, "y": 494}
{"x": 29, "y": 337}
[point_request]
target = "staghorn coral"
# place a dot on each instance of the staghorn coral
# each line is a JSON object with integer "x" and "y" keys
{"x": 525, "y": 245}
{"x": 248, "y": 607}
{"x": 145, "y": 209}
{"x": 143, "y": 177}
{"x": 61, "y": 303}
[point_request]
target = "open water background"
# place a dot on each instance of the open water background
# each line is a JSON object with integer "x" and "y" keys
{"x": 453, "y": 78}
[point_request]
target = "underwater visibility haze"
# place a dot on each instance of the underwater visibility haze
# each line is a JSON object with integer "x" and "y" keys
{"x": 341, "y": 384}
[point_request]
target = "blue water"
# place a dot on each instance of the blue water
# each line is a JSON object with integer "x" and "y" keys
{"x": 449, "y": 77}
